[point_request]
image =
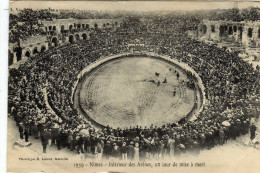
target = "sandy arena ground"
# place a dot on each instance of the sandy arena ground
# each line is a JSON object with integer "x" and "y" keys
{"x": 121, "y": 93}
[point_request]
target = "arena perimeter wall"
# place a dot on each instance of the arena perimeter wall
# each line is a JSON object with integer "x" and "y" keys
{"x": 182, "y": 66}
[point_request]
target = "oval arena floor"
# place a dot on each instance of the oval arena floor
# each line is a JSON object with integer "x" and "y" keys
{"x": 125, "y": 92}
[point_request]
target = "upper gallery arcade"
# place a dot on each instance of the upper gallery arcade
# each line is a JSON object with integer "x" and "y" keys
{"x": 246, "y": 33}
{"x": 58, "y": 32}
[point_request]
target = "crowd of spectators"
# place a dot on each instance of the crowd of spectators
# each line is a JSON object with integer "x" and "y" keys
{"x": 40, "y": 94}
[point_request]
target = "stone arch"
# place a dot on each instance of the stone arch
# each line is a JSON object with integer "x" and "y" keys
{"x": 75, "y": 25}
{"x": 71, "y": 39}
{"x": 18, "y": 53}
{"x": 96, "y": 26}
{"x": 87, "y": 26}
{"x": 84, "y": 36}
{"x": 79, "y": 25}
{"x": 235, "y": 28}
{"x": 27, "y": 53}
{"x": 54, "y": 41}
{"x": 10, "y": 57}
{"x": 104, "y": 25}
{"x": 221, "y": 30}
{"x": 250, "y": 32}
{"x": 240, "y": 32}
{"x": 83, "y": 25}
{"x": 259, "y": 32}
{"x": 71, "y": 27}
{"x": 50, "y": 28}
{"x": 116, "y": 23}
{"x": 107, "y": 24}
{"x": 204, "y": 29}
{"x": 43, "y": 48}
{"x": 77, "y": 37}
{"x": 212, "y": 27}
{"x": 225, "y": 27}
{"x": 54, "y": 28}
{"x": 35, "y": 50}
{"x": 230, "y": 30}
{"x": 113, "y": 25}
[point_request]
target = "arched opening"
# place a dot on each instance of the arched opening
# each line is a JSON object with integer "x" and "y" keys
{"x": 230, "y": 30}
{"x": 84, "y": 36}
{"x": 258, "y": 32}
{"x": 212, "y": 28}
{"x": 54, "y": 41}
{"x": 35, "y": 50}
{"x": 71, "y": 39}
{"x": 28, "y": 54}
{"x": 50, "y": 27}
{"x": 96, "y": 26}
{"x": 18, "y": 51}
{"x": 87, "y": 26}
{"x": 240, "y": 32}
{"x": 225, "y": 28}
{"x": 113, "y": 25}
{"x": 43, "y": 48}
{"x": 10, "y": 58}
{"x": 104, "y": 25}
{"x": 54, "y": 28}
{"x": 79, "y": 26}
{"x": 83, "y": 25}
{"x": 62, "y": 28}
{"x": 77, "y": 37}
{"x": 70, "y": 27}
{"x": 250, "y": 32}
{"x": 116, "y": 23}
{"x": 75, "y": 25}
{"x": 235, "y": 29}
{"x": 108, "y": 24}
{"x": 204, "y": 29}
{"x": 221, "y": 30}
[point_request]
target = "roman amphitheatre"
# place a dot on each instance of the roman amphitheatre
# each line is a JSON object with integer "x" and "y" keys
{"x": 147, "y": 87}
{"x": 135, "y": 90}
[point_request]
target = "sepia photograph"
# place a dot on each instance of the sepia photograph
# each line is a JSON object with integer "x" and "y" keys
{"x": 133, "y": 86}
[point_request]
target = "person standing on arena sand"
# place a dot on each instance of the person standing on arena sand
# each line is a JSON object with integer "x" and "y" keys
{"x": 178, "y": 75}
{"x": 252, "y": 131}
{"x": 174, "y": 92}
{"x": 26, "y": 134}
{"x": 221, "y": 136}
{"x": 21, "y": 129}
{"x": 44, "y": 140}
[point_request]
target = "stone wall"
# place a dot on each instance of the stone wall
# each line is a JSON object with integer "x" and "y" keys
{"x": 245, "y": 33}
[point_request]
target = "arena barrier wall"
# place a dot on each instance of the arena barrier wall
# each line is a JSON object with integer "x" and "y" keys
{"x": 182, "y": 66}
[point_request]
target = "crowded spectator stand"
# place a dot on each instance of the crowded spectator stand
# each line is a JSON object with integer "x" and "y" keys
{"x": 40, "y": 94}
